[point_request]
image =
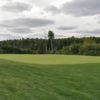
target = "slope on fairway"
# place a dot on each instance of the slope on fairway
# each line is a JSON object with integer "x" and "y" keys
{"x": 20, "y": 81}
{"x": 50, "y": 59}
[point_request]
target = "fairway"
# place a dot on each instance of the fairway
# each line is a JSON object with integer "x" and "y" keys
{"x": 49, "y": 77}
{"x": 50, "y": 59}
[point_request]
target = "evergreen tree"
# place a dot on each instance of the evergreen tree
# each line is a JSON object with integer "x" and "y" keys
{"x": 51, "y": 38}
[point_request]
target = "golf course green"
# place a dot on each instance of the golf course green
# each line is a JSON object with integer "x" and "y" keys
{"x": 49, "y": 77}
{"x": 50, "y": 59}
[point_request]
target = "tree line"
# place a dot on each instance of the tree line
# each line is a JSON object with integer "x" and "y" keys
{"x": 72, "y": 45}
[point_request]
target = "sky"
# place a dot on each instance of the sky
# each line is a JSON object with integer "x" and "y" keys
{"x": 34, "y": 18}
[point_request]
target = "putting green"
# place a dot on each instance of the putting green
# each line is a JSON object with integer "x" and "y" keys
{"x": 50, "y": 59}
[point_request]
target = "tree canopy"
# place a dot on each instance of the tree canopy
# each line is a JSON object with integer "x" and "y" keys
{"x": 76, "y": 46}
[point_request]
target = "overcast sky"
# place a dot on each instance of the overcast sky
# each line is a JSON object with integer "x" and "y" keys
{"x": 33, "y": 18}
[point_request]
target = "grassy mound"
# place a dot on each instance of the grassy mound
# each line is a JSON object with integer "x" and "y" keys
{"x": 51, "y": 59}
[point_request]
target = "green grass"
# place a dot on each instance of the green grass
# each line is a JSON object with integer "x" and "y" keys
{"x": 51, "y": 59}
{"x": 40, "y": 80}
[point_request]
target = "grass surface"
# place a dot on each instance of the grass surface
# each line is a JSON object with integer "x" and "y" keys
{"x": 24, "y": 81}
{"x": 51, "y": 59}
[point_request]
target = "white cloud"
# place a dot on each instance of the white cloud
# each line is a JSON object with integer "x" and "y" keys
{"x": 34, "y": 16}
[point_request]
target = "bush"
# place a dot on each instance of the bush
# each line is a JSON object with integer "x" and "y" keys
{"x": 72, "y": 49}
{"x": 90, "y": 49}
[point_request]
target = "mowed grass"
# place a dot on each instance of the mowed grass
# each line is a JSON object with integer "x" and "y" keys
{"x": 51, "y": 59}
{"x": 25, "y": 80}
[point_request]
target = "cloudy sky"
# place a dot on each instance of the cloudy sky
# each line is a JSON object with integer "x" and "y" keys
{"x": 33, "y": 18}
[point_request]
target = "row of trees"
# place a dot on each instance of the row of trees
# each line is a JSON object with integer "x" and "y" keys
{"x": 29, "y": 46}
{"x": 88, "y": 49}
{"x": 72, "y": 45}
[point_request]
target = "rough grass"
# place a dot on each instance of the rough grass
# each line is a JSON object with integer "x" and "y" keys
{"x": 20, "y": 81}
{"x": 51, "y": 59}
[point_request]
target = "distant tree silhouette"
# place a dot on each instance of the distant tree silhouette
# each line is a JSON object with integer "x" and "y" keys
{"x": 51, "y": 38}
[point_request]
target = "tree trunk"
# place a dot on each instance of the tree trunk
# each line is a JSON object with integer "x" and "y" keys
{"x": 51, "y": 45}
